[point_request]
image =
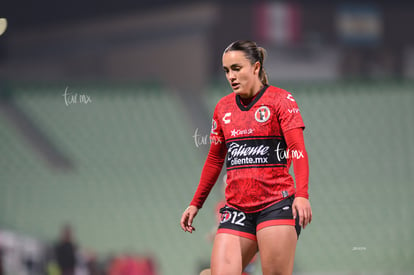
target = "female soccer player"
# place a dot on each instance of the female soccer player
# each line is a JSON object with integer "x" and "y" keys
{"x": 258, "y": 131}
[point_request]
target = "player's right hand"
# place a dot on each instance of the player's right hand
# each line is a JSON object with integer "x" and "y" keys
{"x": 187, "y": 218}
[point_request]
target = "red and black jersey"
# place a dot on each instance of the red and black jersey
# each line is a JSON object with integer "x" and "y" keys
{"x": 257, "y": 159}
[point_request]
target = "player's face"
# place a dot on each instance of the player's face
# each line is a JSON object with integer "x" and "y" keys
{"x": 241, "y": 74}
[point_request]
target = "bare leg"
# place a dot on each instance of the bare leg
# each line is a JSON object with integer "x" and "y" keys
{"x": 277, "y": 246}
{"x": 231, "y": 254}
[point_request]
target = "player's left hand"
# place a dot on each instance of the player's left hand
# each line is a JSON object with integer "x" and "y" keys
{"x": 301, "y": 206}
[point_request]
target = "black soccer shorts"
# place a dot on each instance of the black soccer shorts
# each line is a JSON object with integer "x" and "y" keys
{"x": 246, "y": 225}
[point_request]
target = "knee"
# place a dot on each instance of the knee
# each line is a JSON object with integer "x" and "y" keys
{"x": 225, "y": 268}
{"x": 275, "y": 273}
{"x": 270, "y": 271}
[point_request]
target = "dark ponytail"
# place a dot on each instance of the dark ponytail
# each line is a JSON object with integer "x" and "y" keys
{"x": 252, "y": 53}
{"x": 262, "y": 72}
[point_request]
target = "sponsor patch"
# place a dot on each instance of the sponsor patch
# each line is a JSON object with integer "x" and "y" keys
{"x": 290, "y": 97}
{"x": 263, "y": 152}
{"x": 226, "y": 118}
{"x": 294, "y": 111}
{"x": 238, "y": 132}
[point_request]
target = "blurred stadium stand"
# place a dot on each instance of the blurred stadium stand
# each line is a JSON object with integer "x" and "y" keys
{"x": 136, "y": 165}
{"x": 129, "y": 161}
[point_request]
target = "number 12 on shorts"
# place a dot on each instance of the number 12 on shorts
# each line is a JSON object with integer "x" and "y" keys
{"x": 235, "y": 217}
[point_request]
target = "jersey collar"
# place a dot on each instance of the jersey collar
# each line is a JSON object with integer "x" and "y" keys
{"x": 248, "y": 107}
